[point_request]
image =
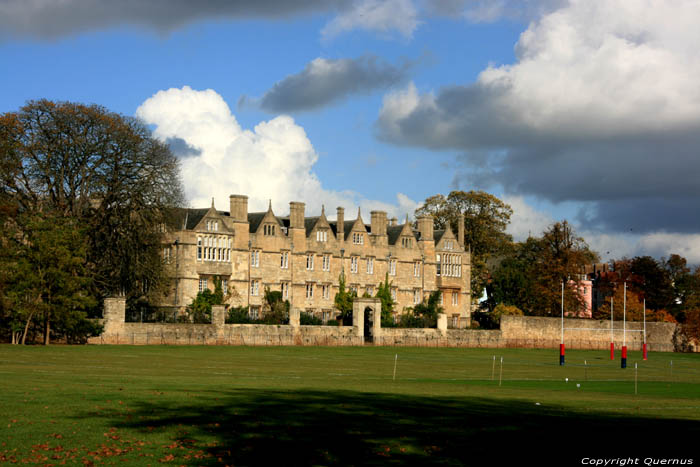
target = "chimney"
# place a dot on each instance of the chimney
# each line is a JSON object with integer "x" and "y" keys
{"x": 340, "y": 225}
{"x": 378, "y": 222}
{"x": 393, "y": 221}
{"x": 460, "y": 230}
{"x": 296, "y": 215}
{"x": 425, "y": 227}
{"x": 239, "y": 208}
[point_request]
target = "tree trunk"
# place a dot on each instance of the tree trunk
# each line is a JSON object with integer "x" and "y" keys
{"x": 26, "y": 327}
{"x": 47, "y": 330}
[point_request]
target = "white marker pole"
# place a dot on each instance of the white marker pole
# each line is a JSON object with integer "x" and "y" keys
{"x": 500, "y": 375}
{"x": 395, "y": 360}
{"x": 635, "y": 378}
{"x": 623, "y": 360}
{"x": 612, "y": 335}
{"x": 493, "y": 368}
{"x": 644, "y": 341}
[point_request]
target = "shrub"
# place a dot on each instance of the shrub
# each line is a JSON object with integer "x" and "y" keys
{"x": 238, "y": 315}
{"x": 307, "y": 319}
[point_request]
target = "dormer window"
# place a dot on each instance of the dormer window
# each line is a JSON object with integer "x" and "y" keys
{"x": 358, "y": 238}
{"x": 407, "y": 242}
{"x": 268, "y": 229}
{"x": 449, "y": 245}
{"x": 321, "y": 235}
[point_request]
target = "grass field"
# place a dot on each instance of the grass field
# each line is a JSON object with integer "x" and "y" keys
{"x": 341, "y": 406}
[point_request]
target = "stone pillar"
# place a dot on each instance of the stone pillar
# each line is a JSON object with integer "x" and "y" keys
{"x": 218, "y": 315}
{"x": 358, "y": 319}
{"x": 238, "y": 208}
{"x": 425, "y": 227}
{"x": 114, "y": 315}
{"x": 442, "y": 323}
{"x": 340, "y": 226}
{"x": 296, "y": 215}
{"x": 294, "y": 315}
{"x": 377, "y": 321}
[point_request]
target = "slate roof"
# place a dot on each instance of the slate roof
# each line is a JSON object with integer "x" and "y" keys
{"x": 255, "y": 218}
{"x": 437, "y": 235}
{"x": 310, "y": 223}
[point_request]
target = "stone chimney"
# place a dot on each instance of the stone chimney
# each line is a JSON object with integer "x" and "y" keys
{"x": 460, "y": 230}
{"x": 296, "y": 215}
{"x": 393, "y": 221}
{"x": 425, "y": 227}
{"x": 340, "y": 224}
{"x": 378, "y": 222}
{"x": 239, "y": 208}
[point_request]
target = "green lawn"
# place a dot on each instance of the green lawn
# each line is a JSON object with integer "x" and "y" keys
{"x": 319, "y": 406}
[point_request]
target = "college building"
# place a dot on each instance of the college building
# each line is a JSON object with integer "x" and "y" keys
{"x": 303, "y": 257}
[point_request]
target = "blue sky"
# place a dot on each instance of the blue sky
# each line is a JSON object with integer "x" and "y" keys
{"x": 586, "y": 111}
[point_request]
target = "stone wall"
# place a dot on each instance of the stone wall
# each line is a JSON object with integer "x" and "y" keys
{"x": 537, "y": 332}
{"x": 516, "y": 331}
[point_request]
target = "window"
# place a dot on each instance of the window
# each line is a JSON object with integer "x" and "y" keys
{"x": 448, "y": 244}
{"x": 370, "y": 265}
{"x": 416, "y": 269}
{"x": 321, "y": 235}
{"x": 326, "y": 262}
{"x": 326, "y": 314}
{"x": 285, "y": 289}
{"x": 199, "y": 248}
{"x": 254, "y": 287}
{"x": 392, "y": 267}
{"x": 208, "y": 225}
{"x": 353, "y": 264}
{"x": 449, "y": 265}
{"x": 310, "y": 262}
{"x": 438, "y": 265}
{"x": 370, "y": 290}
{"x": 216, "y": 226}
{"x": 326, "y": 289}
{"x": 358, "y": 238}
{"x": 455, "y": 321}
{"x": 255, "y": 258}
{"x": 393, "y": 293}
{"x": 202, "y": 284}
{"x": 416, "y": 296}
{"x": 254, "y": 312}
{"x": 166, "y": 254}
{"x": 224, "y": 285}
{"x": 353, "y": 288}
{"x": 284, "y": 260}
{"x": 268, "y": 229}
{"x": 406, "y": 242}
{"x": 455, "y": 298}
{"x": 442, "y": 295}
{"x": 309, "y": 290}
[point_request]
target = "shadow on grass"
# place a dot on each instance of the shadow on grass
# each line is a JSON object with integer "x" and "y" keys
{"x": 262, "y": 427}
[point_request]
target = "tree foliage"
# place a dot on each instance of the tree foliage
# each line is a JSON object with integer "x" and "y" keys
{"x": 107, "y": 175}
{"x": 384, "y": 294}
{"x": 343, "y": 301}
{"x": 424, "y": 314}
{"x": 485, "y": 220}
{"x": 531, "y": 275}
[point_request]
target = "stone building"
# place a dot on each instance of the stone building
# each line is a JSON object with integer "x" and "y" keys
{"x": 303, "y": 258}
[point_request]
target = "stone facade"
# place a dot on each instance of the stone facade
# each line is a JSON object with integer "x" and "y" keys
{"x": 303, "y": 257}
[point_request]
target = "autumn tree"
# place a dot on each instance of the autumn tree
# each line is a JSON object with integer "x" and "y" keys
{"x": 531, "y": 275}
{"x": 485, "y": 220}
{"x": 102, "y": 170}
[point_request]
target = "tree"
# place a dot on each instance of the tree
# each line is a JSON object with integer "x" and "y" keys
{"x": 105, "y": 171}
{"x": 384, "y": 294}
{"x": 46, "y": 280}
{"x": 530, "y": 276}
{"x": 343, "y": 301}
{"x": 485, "y": 220}
{"x": 424, "y": 314}
{"x": 630, "y": 307}
{"x": 275, "y": 308}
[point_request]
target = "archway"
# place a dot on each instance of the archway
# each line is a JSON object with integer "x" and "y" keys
{"x": 366, "y": 319}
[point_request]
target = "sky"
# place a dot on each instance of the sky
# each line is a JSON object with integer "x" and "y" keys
{"x": 574, "y": 110}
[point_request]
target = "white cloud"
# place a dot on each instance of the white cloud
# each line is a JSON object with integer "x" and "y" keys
{"x": 273, "y": 161}
{"x": 383, "y": 16}
{"x": 526, "y": 220}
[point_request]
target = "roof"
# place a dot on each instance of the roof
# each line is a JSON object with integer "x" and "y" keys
{"x": 310, "y": 223}
{"x": 437, "y": 235}
{"x": 255, "y": 218}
